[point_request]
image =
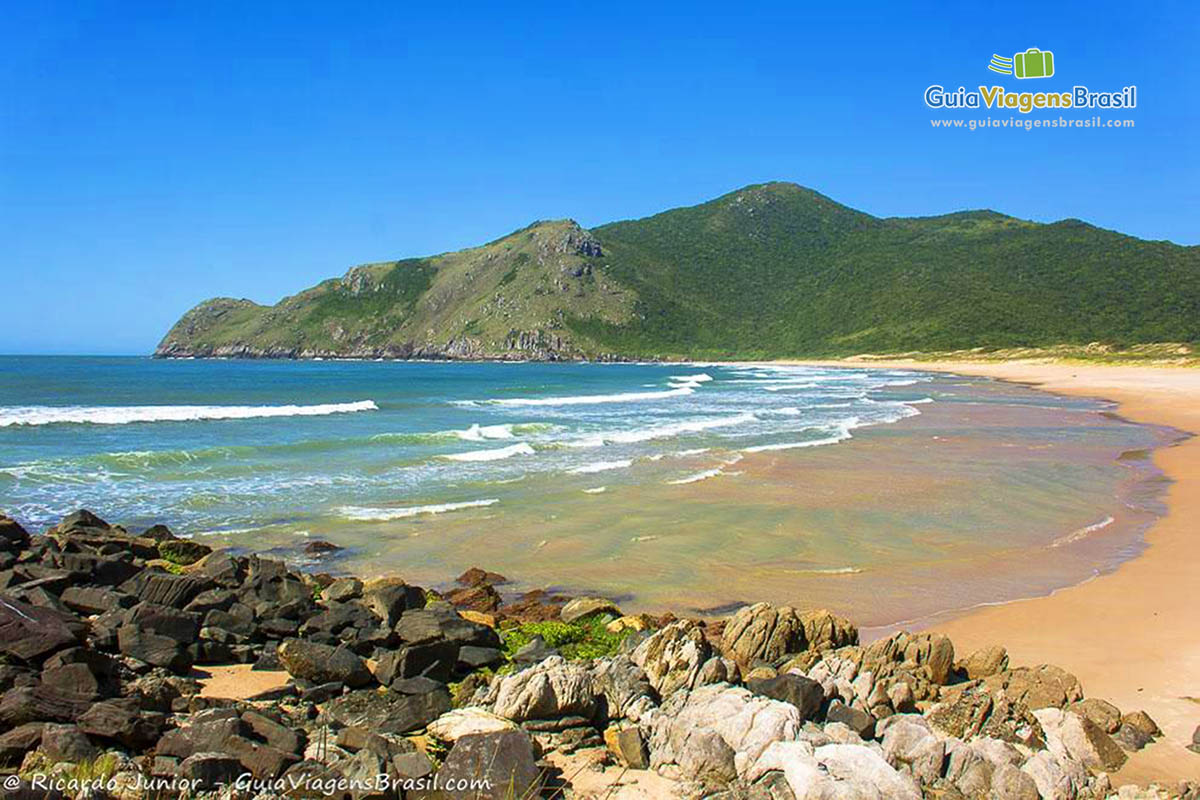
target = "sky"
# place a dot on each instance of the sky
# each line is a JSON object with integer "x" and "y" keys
{"x": 156, "y": 154}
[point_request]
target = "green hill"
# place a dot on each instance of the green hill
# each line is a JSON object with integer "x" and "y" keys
{"x": 771, "y": 270}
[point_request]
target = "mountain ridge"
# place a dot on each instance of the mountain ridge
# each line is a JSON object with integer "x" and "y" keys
{"x": 769, "y": 270}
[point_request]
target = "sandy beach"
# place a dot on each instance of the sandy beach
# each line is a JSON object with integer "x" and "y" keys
{"x": 1131, "y": 636}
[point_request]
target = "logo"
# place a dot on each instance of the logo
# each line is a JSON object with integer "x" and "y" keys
{"x": 1033, "y": 63}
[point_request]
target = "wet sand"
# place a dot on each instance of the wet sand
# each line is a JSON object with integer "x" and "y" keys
{"x": 1131, "y": 636}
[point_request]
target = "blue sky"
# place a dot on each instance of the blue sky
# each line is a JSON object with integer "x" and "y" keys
{"x": 155, "y": 154}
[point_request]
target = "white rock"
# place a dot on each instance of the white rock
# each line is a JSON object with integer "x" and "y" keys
{"x": 834, "y": 772}
{"x": 553, "y": 688}
{"x": 466, "y": 721}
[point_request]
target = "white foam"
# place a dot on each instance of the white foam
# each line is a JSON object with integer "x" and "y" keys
{"x": 479, "y": 433}
{"x": 124, "y": 415}
{"x": 596, "y": 490}
{"x": 521, "y": 449}
{"x": 1083, "y": 533}
{"x": 699, "y": 476}
{"x": 380, "y": 514}
{"x": 588, "y": 399}
{"x": 663, "y": 431}
{"x": 701, "y": 378}
{"x": 601, "y": 466}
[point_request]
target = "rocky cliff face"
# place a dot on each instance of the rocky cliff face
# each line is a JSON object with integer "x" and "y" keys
{"x": 515, "y": 298}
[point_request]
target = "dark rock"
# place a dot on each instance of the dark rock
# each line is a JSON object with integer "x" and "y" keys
{"x": 158, "y": 533}
{"x": 67, "y": 743}
{"x": 13, "y": 538}
{"x": 323, "y": 664}
{"x": 80, "y": 519}
{"x": 534, "y": 606}
{"x": 471, "y": 657}
{"x": 269, "y": 659}
{"x": 76, "y": 679}
{"x": 164, "y": 588}
{"x": 440, "y": 621}
{"x": 154, "y": 649}
{"x": 183, "y": 551}
{"x": 210, "y": 770}
{"x": 856, "y": 719}
{"x": 218, "y": 599}
{"x": 434, "y": 660}
{"x": 388, "y": 598}
{"x": 535, "y": 651}
{"x": 14, "y": 744}
{"x": 503, "y": 761}
{"x": 337, "y": 618}
{"x": 224, "y": 570}
{"x": 94, "y": 599}
{"x": 477, "y": 577}
{"x": 1130, "y": 738}
{"x": 804, "y": 693}
{"x": 181, "y": 626}
{"x": 41, "y": 703}
{"x": 29, "y": 633}
{"x": 274, "y": 732}
{"x": 418, "y": 685}
{"x": 124, "y": 721}
{"x": 320, "y": 547}
{"x": 387, "y": 711}
{"x": 323, "y": 692}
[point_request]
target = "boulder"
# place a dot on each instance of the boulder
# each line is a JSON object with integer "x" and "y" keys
{"x": 1106, "y": 716}
{"x": 909, "y": 743}
{"x": 15, "y": 743}
{"x": 343, "y": 590}
{"x": 434, "y": 660}
{"x": 1010, "y": 783}
{"x": 387, "y": 711}
{"x": 804, "y": 693}
{"x": 672, "y": 657}
{"x": 745, "y": 722}
{"x": 467, "y": 721}
{"x": 477, "y": 577}
{"x": 153, "y": 649}
{"x": 554, "y": 688}
{"x": 481, "y": 599}
{"x": 582, "y": 608}
{"x": 388, "y": 598}
{"x": 503, "y": 762}
{"x": 856, "y": 719}
{"x": 984, "y": 662}
{"x": 627, "y": 746}
{"x": 323, "y": 664}
{"x": 210, "y": 770}
{"x": 67, "y": 743}
{"x": 622, "y": 687}
{"x": 30, "y": 633}
{"x": 13, "y": 538}
{"x": 122, "y": 720}
{"x": 1044, "y": 686}
{"x": 1070, "y": 736}
{"x": 834, "y": 772}
{"x": 762, "y": 632}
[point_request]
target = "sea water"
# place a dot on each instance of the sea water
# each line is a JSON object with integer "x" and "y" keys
{"x": 883, "y": 492}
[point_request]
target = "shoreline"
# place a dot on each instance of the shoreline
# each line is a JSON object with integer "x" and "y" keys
{"x": 1131, "y": 634}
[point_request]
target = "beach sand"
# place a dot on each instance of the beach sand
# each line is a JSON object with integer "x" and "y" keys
{"x": 1131, "y": 636}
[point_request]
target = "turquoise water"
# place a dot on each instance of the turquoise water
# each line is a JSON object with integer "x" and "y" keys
{"x": 887, "y": 494}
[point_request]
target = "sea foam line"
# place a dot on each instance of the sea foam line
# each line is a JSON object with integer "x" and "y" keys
{"x": 663, "y": 431}
{"x": 124, "y": 415}
{"x": 381, "y": 514}
{"x": 1083, "y": 532}
{"x": 521, "y": 449}
{"x": 601, "y": 466}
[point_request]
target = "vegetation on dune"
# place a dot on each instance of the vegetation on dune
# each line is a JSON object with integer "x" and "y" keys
{"x": 772, "y": 270}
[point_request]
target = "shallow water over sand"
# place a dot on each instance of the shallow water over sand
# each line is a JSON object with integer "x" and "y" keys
{"x": 887, "y": 496}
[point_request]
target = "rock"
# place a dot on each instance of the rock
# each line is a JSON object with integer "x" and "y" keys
{"x": 553, "y": 688}
{"x": 762, "y": 632}
{"x": 1055, "y": 779}
{"x": 622, "y": 688}
{"x": 479, "y": 617}
{"x": 122, "y": 720}
{"x": 210, "y": 770}
{"x": 502, "y": 761}
{"x": 164, "y": 588}
{"x": 30, "y": 634}
{"x": 67, "y": 743}
{"x": 1141, "y": 721}
{"x": 15, "y": 743}
{"x": 973, "y": 711}
{"x": 930, "y": 654}
{"x": 824, "y": 630}
{"x": 343, "y": 590}
{"x": 153, "y": 649}
{"x": 79, "y": 520}
{"x": 582, "y": 608}
{"x": 703, "y": 755}
{"x": 434, "y": 660}
{"x": 13, "y": 538}
{"x": 1103, "y": 713}
{"x": 467, "y": 721}
{"x": 472, "y": 658}
{"x": 482, "y": 598}
{"x": 322, "y": 664}
{"x": 834, "y": 771}
{"x": 984, "y": 662}
{"x": 1077, "y": 738}
{"x": 387, "y": 711}
{"x": 477, "y": 577}
{"x": 534, "y": 651}
{"x": 804, "y": 693}
{"x": 182, "y": 551}
{"x": 535, "y": 606}
{"x": 94, "y": 599}
{"x": 1044, "y": 686}
{"x": 859, "y": 721}
{"x": 908, "y": 742}
{"x": 180, "y": 626}
{"x": 627, "y": 746}
{"x": 41, "y": 703}
{"x": 672, "y": 657}
{"x": 635, "y": 622}
{"x": 745, "y": 722}
{"x": 320, "y": 547}
{"x": 388, "y": 598}
{"x": 1010, "y": 783}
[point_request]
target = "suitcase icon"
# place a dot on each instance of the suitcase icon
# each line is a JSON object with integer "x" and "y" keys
{"x": 1033, "y": 63}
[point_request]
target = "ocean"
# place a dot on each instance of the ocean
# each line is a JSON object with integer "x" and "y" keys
{"x": 686, "y": 486}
